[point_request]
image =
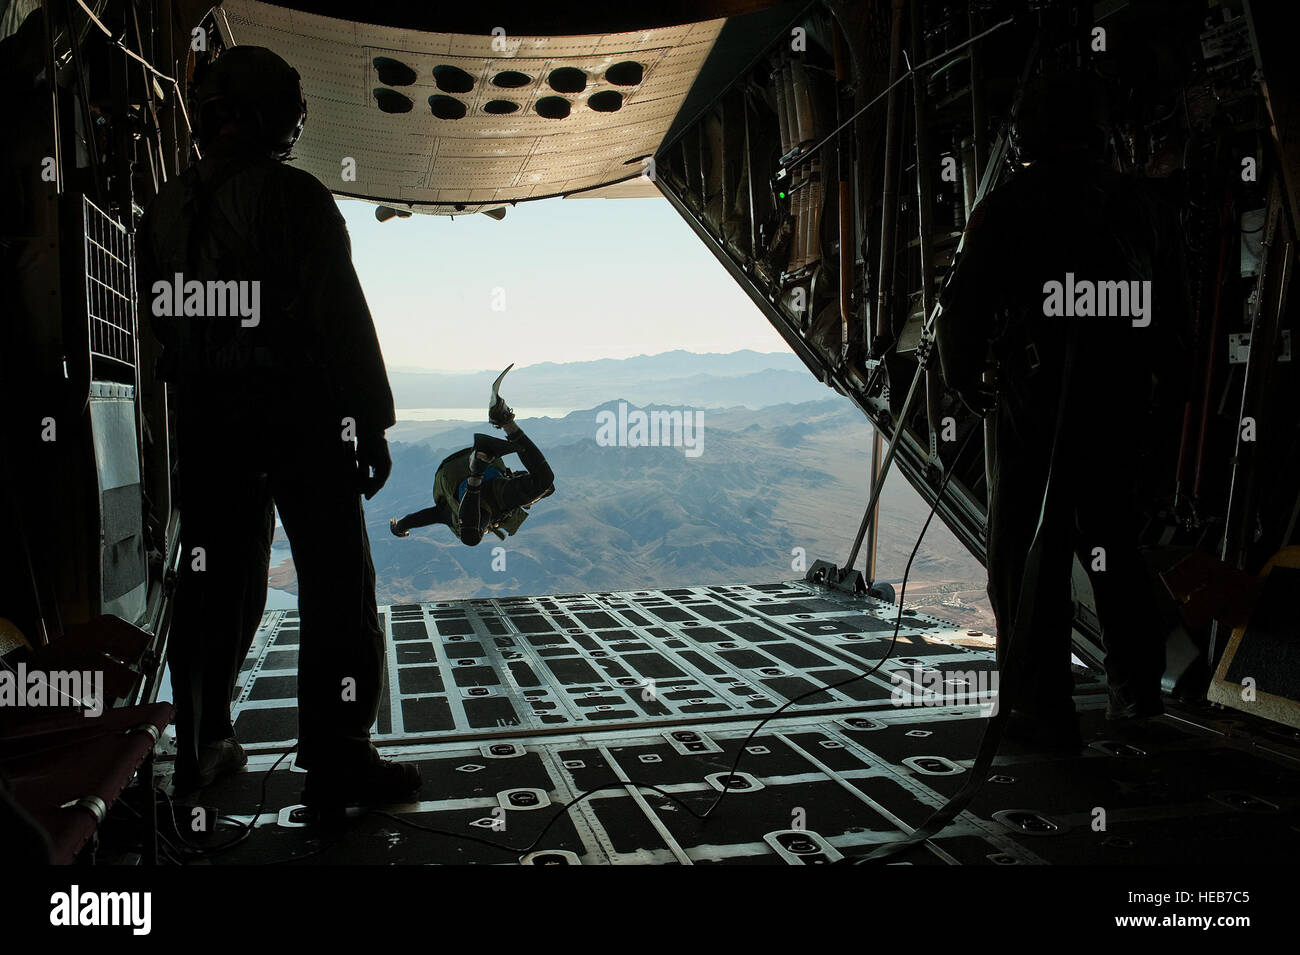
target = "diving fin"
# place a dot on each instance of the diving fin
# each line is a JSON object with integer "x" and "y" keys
{"x": 499, "y": 413}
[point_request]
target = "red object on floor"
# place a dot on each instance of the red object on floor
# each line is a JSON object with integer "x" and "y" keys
{"x": 68, "y": 770}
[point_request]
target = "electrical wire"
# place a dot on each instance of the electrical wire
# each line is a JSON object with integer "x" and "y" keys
{"x": 180, "y": 99}
{"x": 621, "y": 784}
{"x": 170, "y": 851}
{"x": 246, "y": 828}
{"x": 893, "y": 640}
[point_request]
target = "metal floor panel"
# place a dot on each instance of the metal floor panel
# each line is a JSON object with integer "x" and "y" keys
{"x": 676, "y": 656}
{"x": 552, "y": 696}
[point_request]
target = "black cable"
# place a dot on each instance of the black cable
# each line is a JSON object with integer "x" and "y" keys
{"x": 989, "y": 744}
{"x": 165, "y": 844}
{"x": 551, "y": 822}
{"x": 893, "y": 640}
{"x": 290, "y": 860}
{"x": 261, "y": 803}
{"x": 246, "y": 828}
{"x": 194, "y": 848}
{"x": 176, "y": 826}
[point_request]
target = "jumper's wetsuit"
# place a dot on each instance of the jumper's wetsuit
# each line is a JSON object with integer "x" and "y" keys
{"x": 498, "y": 505}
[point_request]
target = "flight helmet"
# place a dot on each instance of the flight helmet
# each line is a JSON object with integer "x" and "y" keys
{"x": 257, "y": 89}
{"x": 1060, "y": 116}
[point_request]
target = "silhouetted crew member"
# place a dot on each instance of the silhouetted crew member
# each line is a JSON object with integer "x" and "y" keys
{"x": 473, "y": 490}
{"x": 272, "y": 383}
{"x": 1065, "y": 213}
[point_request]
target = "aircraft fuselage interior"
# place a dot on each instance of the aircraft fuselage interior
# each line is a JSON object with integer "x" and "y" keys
{"x": 871, "y": 174}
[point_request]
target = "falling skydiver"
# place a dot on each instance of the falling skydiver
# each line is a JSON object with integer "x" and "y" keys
{"x": 473, "y": 490}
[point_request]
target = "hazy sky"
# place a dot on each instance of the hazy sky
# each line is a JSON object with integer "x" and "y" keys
{"x": 579, "y": 279}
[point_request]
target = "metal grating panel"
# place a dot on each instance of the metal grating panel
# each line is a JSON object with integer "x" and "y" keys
{"x": 835, "y": 777}
{"x": 611, "y": 659}
{"x": 110, "y": 286}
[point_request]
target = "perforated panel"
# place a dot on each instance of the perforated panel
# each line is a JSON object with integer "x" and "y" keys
{"x": 482, "y": 159}
{"x": 611, "y": 659}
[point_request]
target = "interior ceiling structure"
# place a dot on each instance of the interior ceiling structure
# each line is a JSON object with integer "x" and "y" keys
{"x": 452, "y": 123}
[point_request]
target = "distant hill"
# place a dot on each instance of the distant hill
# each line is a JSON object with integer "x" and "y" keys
{"x": 770, "y": 485}
{"x": 746, "y": 378}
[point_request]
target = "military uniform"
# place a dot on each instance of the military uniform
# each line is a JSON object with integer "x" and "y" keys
{"x": 263, "y": 412}
{"x": 1055, "y": 218}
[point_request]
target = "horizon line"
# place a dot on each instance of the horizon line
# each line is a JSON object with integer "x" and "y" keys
{"x": 585, "y": 361}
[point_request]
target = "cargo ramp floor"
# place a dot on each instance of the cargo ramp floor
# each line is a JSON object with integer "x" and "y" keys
{"x": 513, "y": 706}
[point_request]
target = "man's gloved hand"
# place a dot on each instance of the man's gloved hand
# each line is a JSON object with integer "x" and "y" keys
{"x": 373, "y": 463}
{"x": 976, "y": 393}
{"x": 979, "y": 398}
{"x": 478, "y": 462}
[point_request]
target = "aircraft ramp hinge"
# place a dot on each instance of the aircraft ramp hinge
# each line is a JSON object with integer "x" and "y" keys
{"x": 827, "y": 574}
{"x": 849, "y": 581}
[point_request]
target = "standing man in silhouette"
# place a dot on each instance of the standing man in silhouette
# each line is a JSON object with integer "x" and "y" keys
{"x": 281, "y": 396}
{"x": 1063, "y": 218}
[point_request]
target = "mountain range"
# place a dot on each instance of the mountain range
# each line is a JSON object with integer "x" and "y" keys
{"x": 743, "y": 378}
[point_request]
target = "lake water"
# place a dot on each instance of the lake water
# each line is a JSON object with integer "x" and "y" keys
{"x": 280, "y": 599}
